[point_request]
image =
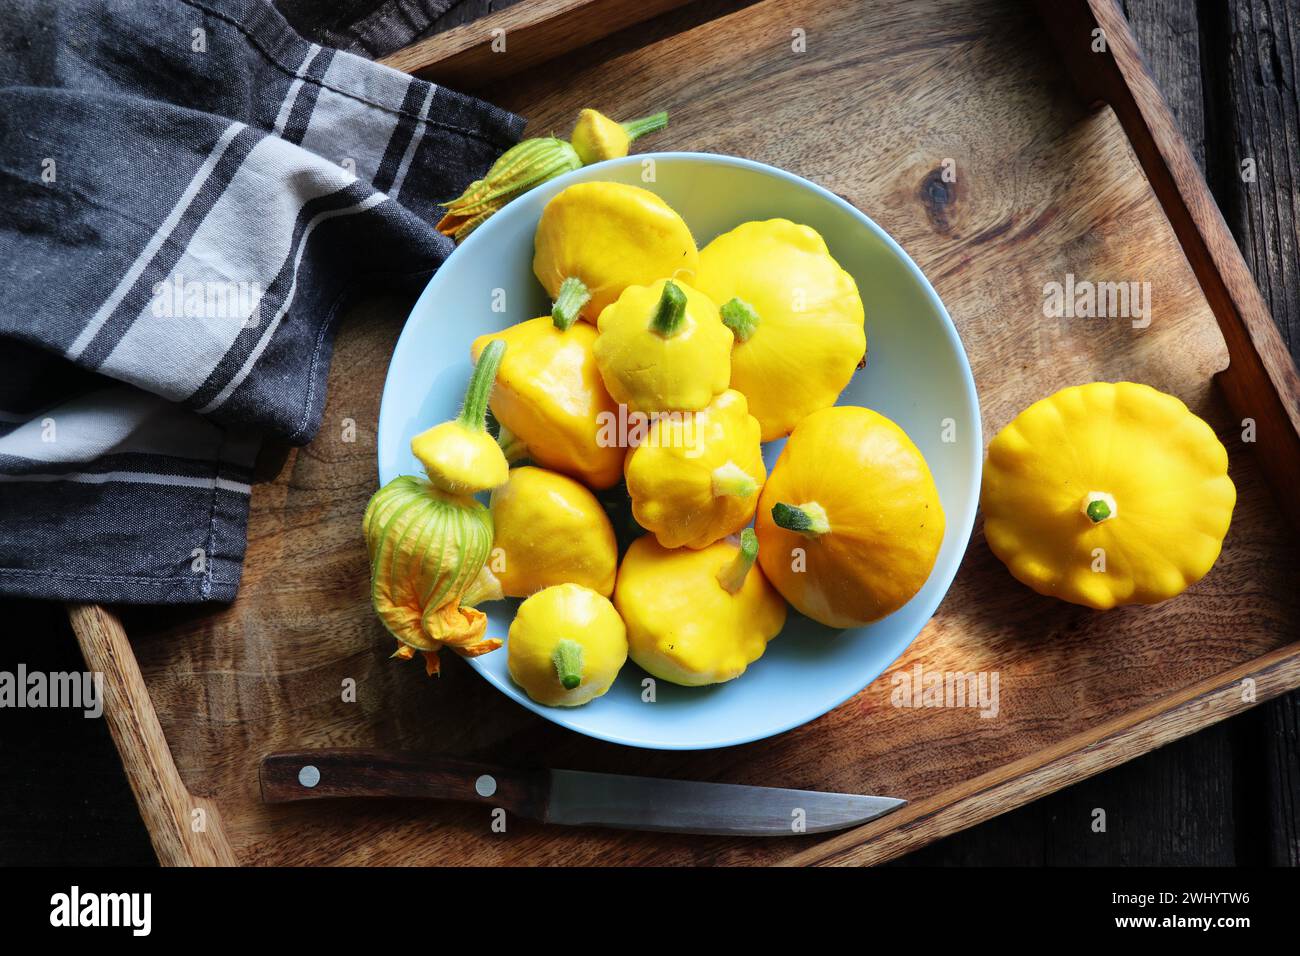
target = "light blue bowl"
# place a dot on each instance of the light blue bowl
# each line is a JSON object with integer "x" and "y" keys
{"x": 916, "y": 374}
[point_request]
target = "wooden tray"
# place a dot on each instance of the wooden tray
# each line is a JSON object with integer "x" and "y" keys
{"x": 1067, "y": 162}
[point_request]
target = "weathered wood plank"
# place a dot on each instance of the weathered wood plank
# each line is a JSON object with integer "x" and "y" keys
{"x": 1231, "y": 793}
{"x": 1175, "y": 805}
{"x": 1261, "y": 82}
{"x": 521, "y": 36}
{"x": 65, "y": 800}
{"x": 979, "y": 798}
{"x": 1263, "y": 45}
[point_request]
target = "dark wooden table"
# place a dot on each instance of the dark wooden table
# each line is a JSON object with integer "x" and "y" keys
{"x": 1229, "y": 795}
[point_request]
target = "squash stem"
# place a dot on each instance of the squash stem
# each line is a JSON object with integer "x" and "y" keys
{"x": 670, "y": 312}
{"x": 568, "y": 663}
{"x": 808, "y": 519}
{"x": 512, "y": 446}
{"x": 732, "y": 577}
{"x": 646, "y": 124}
{"x": 573, "y": 295}
{"x": 732, "y": 480}
{"x": 473, "y": 414}
{"x": 739, "y": 316}
{"x": 1098, "y": 506}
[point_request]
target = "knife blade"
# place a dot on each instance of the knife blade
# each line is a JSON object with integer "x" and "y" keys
{"x": 685, "y": 806}
{"x": 568, "y": 797}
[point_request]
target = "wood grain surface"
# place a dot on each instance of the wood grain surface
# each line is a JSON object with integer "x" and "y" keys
{"x": 519, "y": 37}
{"x": 1260, "y": 383}
{"x": 1253, "y": 104}
{"x": 884, "y": 95}
{"x": 1231, "y": 793}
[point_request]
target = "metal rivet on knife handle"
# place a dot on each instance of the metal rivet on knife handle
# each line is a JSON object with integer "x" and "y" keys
{"x": 486, "y": 785}
{"x": 309, "y": 776}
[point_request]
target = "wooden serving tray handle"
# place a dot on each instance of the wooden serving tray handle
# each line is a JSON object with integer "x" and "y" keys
{"x": 185, "y": 830}
{"x": 331, "y": 774}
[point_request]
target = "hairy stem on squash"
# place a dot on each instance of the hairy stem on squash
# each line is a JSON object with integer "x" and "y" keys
{"x": 732, "y": 577}
{"x": 670, "y": 312}
{"x": 646, "y": 124}
{"x": 739, "y": 316}
{"x": 568, "y": 663}
{"x": 732, "y": 480}
{"x": 569, "y": 301}
{"x": 473, "y": 414}
{"x": 512, "y": 446}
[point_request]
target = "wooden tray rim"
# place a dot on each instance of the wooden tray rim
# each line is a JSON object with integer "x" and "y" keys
{"x": 186, "y": 830}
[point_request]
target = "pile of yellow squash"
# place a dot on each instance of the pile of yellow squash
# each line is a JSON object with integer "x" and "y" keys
{"x": 663, "y": 367}
{"x": 666, "y": 367}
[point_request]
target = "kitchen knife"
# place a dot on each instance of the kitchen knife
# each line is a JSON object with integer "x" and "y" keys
{"x": 569, "y": 797}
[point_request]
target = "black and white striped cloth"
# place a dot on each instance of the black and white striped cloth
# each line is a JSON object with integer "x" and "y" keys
{"x": 189, "y": 191}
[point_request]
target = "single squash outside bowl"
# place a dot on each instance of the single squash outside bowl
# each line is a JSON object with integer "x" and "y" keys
{"x": 916, "y": 374}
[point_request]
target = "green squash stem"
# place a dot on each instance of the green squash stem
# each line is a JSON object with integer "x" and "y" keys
{"x": 573, "y": 295}
{"x": 1099, "y": 506}
{"x": 646, "y": 124}
{"x": 732, "y": 577}
{"x": 512, "y": 446}
{"x": 808, "y": 519}
{"x": 739, "y": 316}
{"x": 473, "y": 414}
{"x": 670, "y": 313}
{"x": 568, "y": 663}
{"x": 730, "y": 479}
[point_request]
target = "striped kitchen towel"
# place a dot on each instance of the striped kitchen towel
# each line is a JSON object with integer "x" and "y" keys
{"x": 189, "y": 191}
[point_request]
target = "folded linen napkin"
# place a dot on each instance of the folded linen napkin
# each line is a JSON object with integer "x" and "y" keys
{"x": 189, "y": 193}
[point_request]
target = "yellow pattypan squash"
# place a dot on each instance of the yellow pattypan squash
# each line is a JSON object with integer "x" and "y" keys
{"x": 460, "y": 456}
{"x": 596, "y": 239}
{"x": 696, "y": 476}
{"x": 566, "y": 645}
{"x": 551, "y": 401}
{"x": 697, "y": 617}
{"x": 1107, "y": 494}
{"x": 849, "y": 521}
{"x": 796, "y": 315}
{"x": 550, "y": 530}
{"x": 596, "y": 137}
{"x": 663, "y": 347}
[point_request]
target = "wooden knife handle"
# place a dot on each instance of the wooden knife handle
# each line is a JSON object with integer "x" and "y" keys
{"x": 331, "y": 774}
